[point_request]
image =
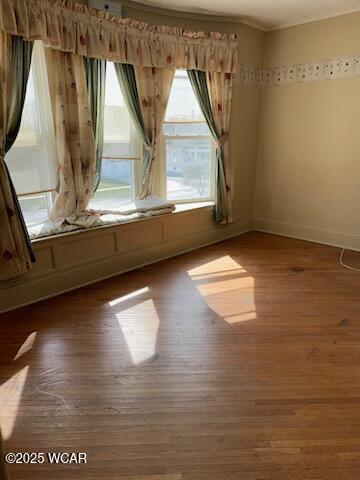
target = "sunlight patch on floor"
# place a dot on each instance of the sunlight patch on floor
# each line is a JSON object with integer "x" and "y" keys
{"x": 222, "y": 286}
{"x": 227, "y": 289}
{"x": 240, "y": 317}
{"x": 128, "y": 296}
{"x": 26, "y": 346}
{"x": 221, "y": 266}
{"x": 140, "y": 325}
{"x": 10, "y": 397}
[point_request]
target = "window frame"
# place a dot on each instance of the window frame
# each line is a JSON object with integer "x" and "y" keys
{"x": 41, "y": 84}
{"x": 135, "y": 174}
{"x": 136, "y": 160}
{"x": 163, "y": 162}
{"x": 162, "y": 186}
{"x": 49, "y": 199}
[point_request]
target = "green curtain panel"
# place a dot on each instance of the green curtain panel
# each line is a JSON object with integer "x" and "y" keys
{"x": 199, "y": 83}
{"x": 95, "y": 78}
{"x": 126, "y": 76}
{"x": 20, "y": 64}
{"x": 21, "y": 52}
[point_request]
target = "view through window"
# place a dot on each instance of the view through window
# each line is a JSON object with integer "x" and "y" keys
{"x": 121, "y": 155}
{"x": 188, "y": 149}
{"x": 32, "y": 158}
{"x": 188, "y": 145}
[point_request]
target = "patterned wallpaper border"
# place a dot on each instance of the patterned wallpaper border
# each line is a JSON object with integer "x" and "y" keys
{"x": 343, "y": 67}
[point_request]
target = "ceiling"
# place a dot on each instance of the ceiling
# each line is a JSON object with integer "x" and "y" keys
{"x": 266, "y": 14}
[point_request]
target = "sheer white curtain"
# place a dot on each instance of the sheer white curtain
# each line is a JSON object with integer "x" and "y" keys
{"x": 32, "y": 159}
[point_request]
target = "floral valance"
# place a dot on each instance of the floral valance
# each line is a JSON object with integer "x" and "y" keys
{"x": 75, "y": 28}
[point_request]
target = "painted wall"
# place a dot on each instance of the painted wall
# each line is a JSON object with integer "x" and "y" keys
{"x": 308, "y": 169}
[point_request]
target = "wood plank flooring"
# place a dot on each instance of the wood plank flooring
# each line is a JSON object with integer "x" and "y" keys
{"x": 238, "y": 361}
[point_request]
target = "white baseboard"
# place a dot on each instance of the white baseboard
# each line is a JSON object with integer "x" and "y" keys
{"x": 311, "y": 234}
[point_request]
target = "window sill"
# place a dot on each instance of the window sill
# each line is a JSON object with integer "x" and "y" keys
{"x": 184, "y": 207}
{"x": 179, "y": 208}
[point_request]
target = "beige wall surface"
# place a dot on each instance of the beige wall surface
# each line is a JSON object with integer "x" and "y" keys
{"x": 308, "y": 169}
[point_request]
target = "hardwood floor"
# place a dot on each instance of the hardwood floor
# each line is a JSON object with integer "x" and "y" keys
{"x": 238, "y": 361}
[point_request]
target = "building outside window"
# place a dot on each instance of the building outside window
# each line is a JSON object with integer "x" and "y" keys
{"x": 121, "y": 163}
{"x": 187, "y": 146}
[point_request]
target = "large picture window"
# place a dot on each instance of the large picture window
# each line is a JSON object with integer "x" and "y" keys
{"x": 187, "y": 146}
{"x": 121, "y": 162}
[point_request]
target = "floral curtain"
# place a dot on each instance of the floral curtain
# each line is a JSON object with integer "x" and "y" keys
{"x": 146, "y": 91}
{"x": 153, "y": 86}
{"x": 16, "y": 253}
{"x": 220, "y": 93}
{"x": 70, "y": 27}
{"x": 214, "y": 92}
{"x": 73, "y": 134}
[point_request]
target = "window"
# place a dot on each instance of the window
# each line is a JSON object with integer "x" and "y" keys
{"x": 121, "y": 165}
{"x": 188, "y": 148}
{"x": 187, "y": 172}
{"x": 32, "y": 158}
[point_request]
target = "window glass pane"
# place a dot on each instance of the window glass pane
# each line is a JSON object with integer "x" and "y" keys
{"x": 186, "y": 129}
{"x": 188, "y": 168}
{"x": 32, "y": 158}
{"x": 34, "y": 208}
{"x": 188, "y": 160}
{"x": 120, "y": 136}
{"x": 116, "y": 185}
{"x": 182, "y": 105}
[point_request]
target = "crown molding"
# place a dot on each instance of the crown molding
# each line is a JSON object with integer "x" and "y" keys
{"x": 190, "y": 15}
{"x": 312, "y": 20}
{"x": 146, "y": 7}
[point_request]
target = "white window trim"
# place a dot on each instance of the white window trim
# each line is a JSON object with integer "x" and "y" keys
{"x": 163, "y": 175}
{"x": 135, "y": 158}
{"x": 161, "y": 187}
{"x": 44, "y": 107}
{"x": 49, "y": 199}
{"x": 133, "y": 176}
{"x": 41, "y": 86}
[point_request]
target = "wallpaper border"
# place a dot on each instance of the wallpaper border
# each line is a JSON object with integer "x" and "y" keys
{"x": 329, "y": 69}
